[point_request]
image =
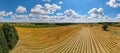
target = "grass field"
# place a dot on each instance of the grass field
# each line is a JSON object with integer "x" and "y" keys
{"x": 80, "y": 38}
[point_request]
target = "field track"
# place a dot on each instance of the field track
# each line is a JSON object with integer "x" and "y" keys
{"x": 85, "y": 40}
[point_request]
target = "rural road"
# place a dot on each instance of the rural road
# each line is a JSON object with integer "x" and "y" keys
{"x": 86, "y": 40}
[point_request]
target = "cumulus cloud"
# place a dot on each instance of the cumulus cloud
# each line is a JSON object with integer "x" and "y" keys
{"x": 47, "y": 0}
{"x": 96, "y": 13}
{"x": 71, "y": 13}
{"x": 44, "y": 10}
{"x": 37, "y": 9}
{"x": 9, "y": 13}
{"x": 47, "y": 13}
{"x": 21, "y": 9}
{"x": 107, "y": 18}
{"x": 60, "y": 2}
{"x": 21, "y": 16}
{"x": 13, "y": 18}
{"x": 51, "y": 8}
{"x": 113, "y": 3}
{"x": 55, "y": 7}
{"x": 117, "y": 19}
{"x": 118, "y": 16}
{"x": 2, "y": 13}
{"x": 18, "y": 17}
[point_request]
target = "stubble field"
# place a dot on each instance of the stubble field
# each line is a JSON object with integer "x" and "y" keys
{"x": 79, "y": 38}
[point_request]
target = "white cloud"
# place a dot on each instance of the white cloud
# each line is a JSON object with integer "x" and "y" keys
{"x": 44, "y": 10}
{"x": 13, "y": 18}
{"x": 71, "y": 13}
{"x": 41, "y": 13}
{"x": 113, "y": 3}
{"x": 1, "y": 18}
{"x": 17, "y": 17}
{"x": 51, "y": 8}
{"x": 55, "y": 7}
{"x": 47, "y": 0}
{"x": 21, "y": 9}
{"x": 21, "y": 16}
{"x": 107, "y": 18}
{"x": 60, "y": 2}
{"x": 118, "y": 16}
{"x": 9, "y": 13}
{"x": 2, "y": 13}
{"x": 38, "y": 9}
{"x": 96, "y": 13}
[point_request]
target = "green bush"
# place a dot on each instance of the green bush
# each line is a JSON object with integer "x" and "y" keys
{"x": 104, "y": 27}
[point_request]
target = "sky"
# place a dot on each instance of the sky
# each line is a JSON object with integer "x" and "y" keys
{"x": 60, "y": 11}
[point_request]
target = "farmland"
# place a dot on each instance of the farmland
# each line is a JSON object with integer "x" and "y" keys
{"x": 79, "y": 38}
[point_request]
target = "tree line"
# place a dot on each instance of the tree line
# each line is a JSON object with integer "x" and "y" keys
{"x": 8, "y": 38}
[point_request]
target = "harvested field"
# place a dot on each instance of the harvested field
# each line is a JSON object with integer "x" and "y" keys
{"x": 67, "y": 39}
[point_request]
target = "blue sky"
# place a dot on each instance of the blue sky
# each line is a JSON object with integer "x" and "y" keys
{"x": 76, "y": 9}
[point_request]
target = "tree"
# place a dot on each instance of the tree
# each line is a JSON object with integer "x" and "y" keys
{"x": 91, "y": 25}
{"x": 104, "y": 27}
{"x": 10, "y": 35}
{"x": 3, "y": 43}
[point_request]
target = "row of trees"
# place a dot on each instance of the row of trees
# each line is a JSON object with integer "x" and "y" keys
{"x": 8, "y": 38}
{"x": 115, "y": 24}
{"x": 105, "y": 25}
{"x": 59, "y": 24}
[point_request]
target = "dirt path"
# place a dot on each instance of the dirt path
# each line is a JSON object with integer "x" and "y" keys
{"x": 85, "y": 40}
